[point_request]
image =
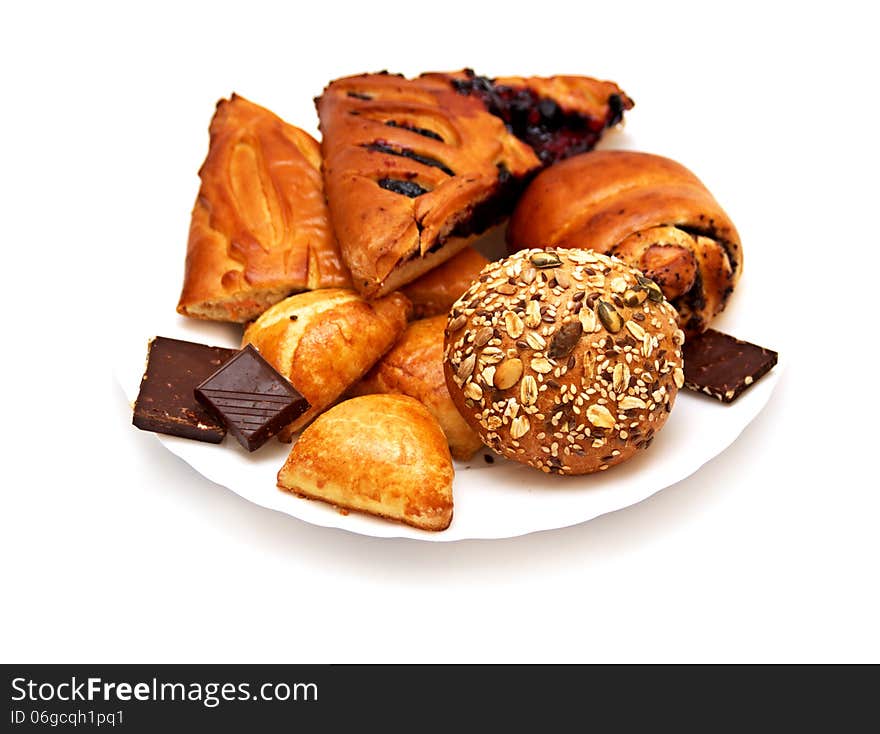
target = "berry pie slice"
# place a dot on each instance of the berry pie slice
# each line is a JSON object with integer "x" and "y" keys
{"x": 558, "y": 116}
{"x": 416, "y": 169}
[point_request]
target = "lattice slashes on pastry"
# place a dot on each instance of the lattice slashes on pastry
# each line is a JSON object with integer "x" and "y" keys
{"x": 415, "y": 169}
{"x": 259, "y": 228}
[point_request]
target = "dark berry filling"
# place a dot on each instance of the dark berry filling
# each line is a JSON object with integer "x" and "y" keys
{"x": 538, "y": 121}
{"x": 412, "y": 128}
{"x": 493, "y": 210}
{"x": 381, "y": 147}
{"x": 398, "y": 186}
{"x": 615, "y": 105}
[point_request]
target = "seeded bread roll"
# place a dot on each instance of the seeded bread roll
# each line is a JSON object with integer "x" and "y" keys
{"x": 565, "y": 360}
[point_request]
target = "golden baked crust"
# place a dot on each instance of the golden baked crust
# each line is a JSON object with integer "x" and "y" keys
{"x": 259, "y": 227}
{"x": 324, "y": 341}
{"x": 414, "y": 367}
{"x": 651, "y": 212}
{"x": 384, "y": 134}
{"x": 381, "y": 454}
{"x": 566, "y": 360}
{"x": 434, "y": 293}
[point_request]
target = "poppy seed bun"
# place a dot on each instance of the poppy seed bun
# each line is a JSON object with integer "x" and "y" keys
{"x": 649, "y": 211}
{"x": 565, "y": 360}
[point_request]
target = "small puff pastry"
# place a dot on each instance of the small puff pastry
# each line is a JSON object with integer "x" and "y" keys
{"x": 381, "y": 454}
{"x": 259, "y": 229}
{"x": 324, "y": 341}
{"x": 649, "y": 211}
{"x": 414, "y": 367}
{"x": 435, "y": 292}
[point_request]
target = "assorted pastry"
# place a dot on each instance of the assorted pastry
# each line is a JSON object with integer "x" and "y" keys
{"x": 324, "y": 341}
{"x": 416, "y": 169}
{"x": 397, "y": 462}
{"x": 414, "y": 367}
{"x": 259, "y": 228}
{"x": 648, "y": 211}
{"x": 434, "y": 293}
{"x": 384, "y": 345}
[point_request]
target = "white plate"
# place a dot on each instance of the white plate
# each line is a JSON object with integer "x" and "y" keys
{"x": 500, "y": 500}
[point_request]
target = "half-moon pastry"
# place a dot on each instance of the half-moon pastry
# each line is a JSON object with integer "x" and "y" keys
{"x": 414, "y": 367}
{"x": 381, "y": 454}
{"x": 415, "y": 169}
{"x": 324, "y": 341}
{"x": 649, "y": 211}
{"x": 259, "y": 228}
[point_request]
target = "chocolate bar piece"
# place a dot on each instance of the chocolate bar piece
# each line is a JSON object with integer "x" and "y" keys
{"x": 721, "y": 366}
{"x": 165, "y": 403}
{"x": 251, "y": 398}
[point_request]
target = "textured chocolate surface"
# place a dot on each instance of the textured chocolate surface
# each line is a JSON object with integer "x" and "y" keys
{"x": 165, "y": 403}
{"x": 251, "y": 398}
{"x": 724, "y": 367}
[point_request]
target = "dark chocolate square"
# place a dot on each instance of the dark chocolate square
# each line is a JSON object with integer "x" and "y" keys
{"x": 165, "y": 403}
{"x": 251, "y": 398}
{"x": 722, "y": 366}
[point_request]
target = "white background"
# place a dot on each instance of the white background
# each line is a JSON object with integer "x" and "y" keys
{"x": 114, "y": 550}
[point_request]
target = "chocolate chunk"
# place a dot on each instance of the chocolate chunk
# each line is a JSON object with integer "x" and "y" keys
{"x": 252, "y": 399}
{"x": 719, "y": 365}
{"x": 165, "y": 403}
